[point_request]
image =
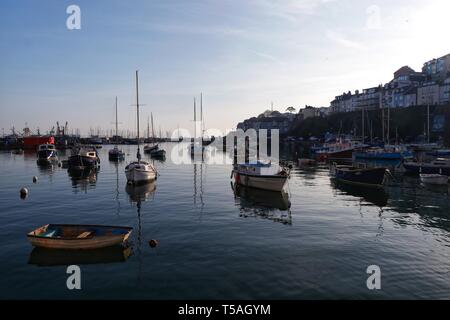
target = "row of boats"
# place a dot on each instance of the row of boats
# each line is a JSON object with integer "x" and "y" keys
{"x": 433, "y": 164}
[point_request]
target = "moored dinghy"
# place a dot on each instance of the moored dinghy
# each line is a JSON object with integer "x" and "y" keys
{"x": 76, "y": 237}
{"x": 266, "y": 176}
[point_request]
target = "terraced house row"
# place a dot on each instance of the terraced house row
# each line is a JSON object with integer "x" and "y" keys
{"x": 408, "y": 88}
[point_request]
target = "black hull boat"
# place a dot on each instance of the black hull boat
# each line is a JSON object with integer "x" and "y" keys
{"x": 116, "y": 155}
{"x": 370, "y": 177}
{"x": 84, "y": 158}
{"x": 158, "y": 154}
{"x": 438, "y": 166}
{"x": 150, "y": 148}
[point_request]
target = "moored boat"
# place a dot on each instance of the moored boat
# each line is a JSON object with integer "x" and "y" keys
{"x": 158, "y": 154}
{"x": 434, "y": 179}
{"x": 77, "y": 237}
{"x": 438, "y": 166}
{"x": 371, "y": 177}
{"x": 151, "y": 148}
{"x": 340, "y": 151}
{"x": 261, "y": 176}
{"x": 116, "y": 154}
{"x": 386, "y": 153}
{"x": 83, "y": 158}
{"x": 139, "y": 172}
{"x": 47, "y": 154}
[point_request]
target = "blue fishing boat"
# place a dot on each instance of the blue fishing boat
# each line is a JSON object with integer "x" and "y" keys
{"x": 370, "y": 177}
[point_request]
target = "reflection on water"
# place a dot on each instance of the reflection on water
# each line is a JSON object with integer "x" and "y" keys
{"x": 140, "y": 193}
{"x": 83, "y": 180}
{"x": 372, "y": 196}
{"x": 335, "y": 230}
{"x": 137, "y": 195}
{"x": 265, "y": 204}
{"x": 53, "y": 257}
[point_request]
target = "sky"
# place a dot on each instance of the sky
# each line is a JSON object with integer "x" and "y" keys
{"x": 242, "y": 55}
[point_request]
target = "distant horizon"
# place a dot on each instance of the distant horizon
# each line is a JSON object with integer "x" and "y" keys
{"x": 241, "y": 55}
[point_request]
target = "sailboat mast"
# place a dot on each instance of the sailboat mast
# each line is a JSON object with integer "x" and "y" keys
{"x": 137, "y": 108}
{"x": 201, "y": 113}
{"x": 195, "y": 122}
{"x": 428, "y": 122}
{"x": 117, "y": 124}
{"x": 153, "y": 130}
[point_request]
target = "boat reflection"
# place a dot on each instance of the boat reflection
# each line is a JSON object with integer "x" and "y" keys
{"x": 271, "y": 205}
{"x": 137, "y": 195}
{"x": 50, "y": 257}
{"x": 140, "y": 193}
{"x": 373, "y": 196}
{"x": 83, "y": 179}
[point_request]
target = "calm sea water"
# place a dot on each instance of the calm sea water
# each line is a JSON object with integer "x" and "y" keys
{"x": 216, "y": 242}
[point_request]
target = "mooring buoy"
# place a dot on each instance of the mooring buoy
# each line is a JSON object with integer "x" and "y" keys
{"x": 35, "y": 179}
{"x": 23, "y": 193}
{"x": 153, "y": 243}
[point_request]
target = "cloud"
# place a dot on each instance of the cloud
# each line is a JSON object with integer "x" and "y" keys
{"x": 342, "y": 40}
{"x": 290, "y": 9}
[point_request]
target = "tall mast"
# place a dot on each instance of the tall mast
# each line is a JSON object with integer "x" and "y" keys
{"x": 195, "y": 122}
{"x": 117, "y": 124}
{"x": 148, "y": 127}
{"x": 428, "y": 122}
{"x": 201, "y": 113}
{"x": 153, "y": 130}
{"x": 137, "y": 108}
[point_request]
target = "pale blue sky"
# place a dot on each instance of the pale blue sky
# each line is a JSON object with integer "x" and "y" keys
{"x": 241, "y": 54}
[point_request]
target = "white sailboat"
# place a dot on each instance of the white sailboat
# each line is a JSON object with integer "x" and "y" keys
{"x": 116, "y": 154}
{"x": 139, "y": 172}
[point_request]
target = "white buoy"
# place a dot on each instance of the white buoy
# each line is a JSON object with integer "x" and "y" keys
{"x": 23, "y": 193}
{"x": 35, "y": 179}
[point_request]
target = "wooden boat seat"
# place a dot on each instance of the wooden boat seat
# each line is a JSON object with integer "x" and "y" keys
{"x": 84, "y": 235}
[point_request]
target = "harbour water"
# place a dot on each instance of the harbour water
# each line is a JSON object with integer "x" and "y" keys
{"x": 219, "y": 242}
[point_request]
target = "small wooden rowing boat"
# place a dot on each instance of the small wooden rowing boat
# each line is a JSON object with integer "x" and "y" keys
{"x": 76, "y": 237}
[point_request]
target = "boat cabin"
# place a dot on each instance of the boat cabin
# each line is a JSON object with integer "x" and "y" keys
{"x": 45, "y": 147}
{"x": 259, "y": 168}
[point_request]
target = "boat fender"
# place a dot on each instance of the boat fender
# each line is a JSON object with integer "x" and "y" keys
{"x": 35, "y": 179}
